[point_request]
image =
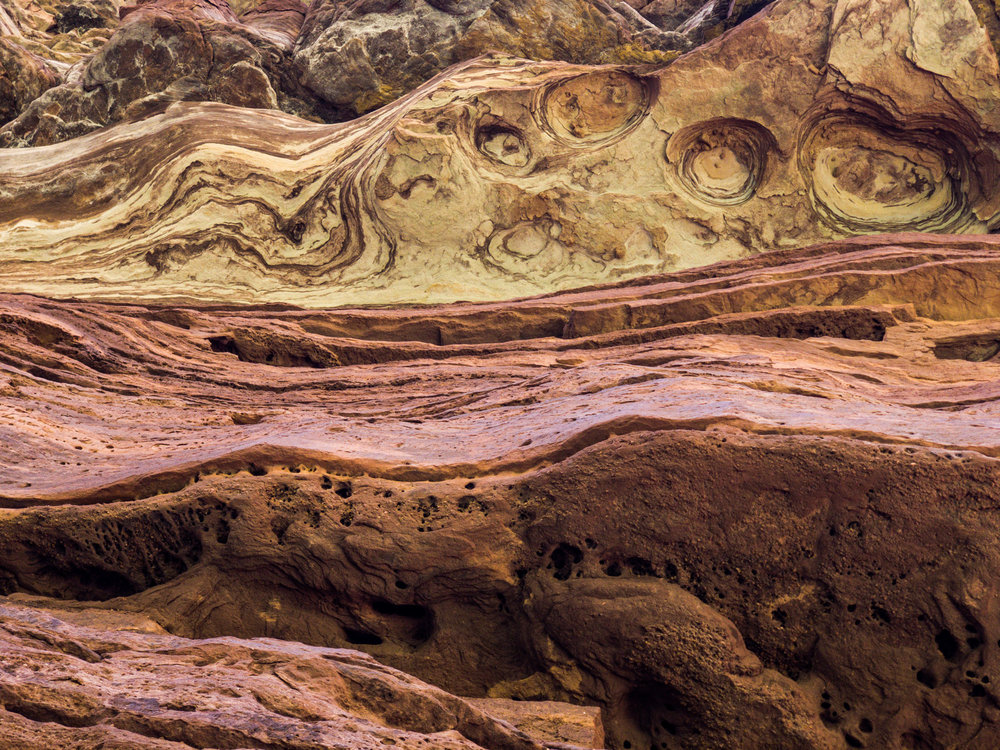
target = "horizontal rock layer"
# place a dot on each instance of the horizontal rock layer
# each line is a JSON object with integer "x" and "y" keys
{"x": 750, "y": 505}
{"x": 89, "y": 678}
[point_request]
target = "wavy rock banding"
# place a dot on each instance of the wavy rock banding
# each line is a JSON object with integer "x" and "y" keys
{"x": 819, "y": 387}
{"x": 551, "y": 405}
{"x": 505, "y": 178}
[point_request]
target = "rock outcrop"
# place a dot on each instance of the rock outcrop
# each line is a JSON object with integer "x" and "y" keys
{"x": 23, "y": 78}
{"x": 63, "y": 33}
{"x": 506, "y": 178}
{"x": 174, "y": 50}
{"x": 362, "y": 54}
{"x": 750, "y": 505}
{"x": 552, "y": 405}
{"x": 348, "y": 59}
{"x": 83, "y": 678}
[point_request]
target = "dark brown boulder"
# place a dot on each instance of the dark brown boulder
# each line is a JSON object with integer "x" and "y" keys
{"x": 172, "y": 50}
{"x": 23, "y": 78}
{"x": 362, "y": 54}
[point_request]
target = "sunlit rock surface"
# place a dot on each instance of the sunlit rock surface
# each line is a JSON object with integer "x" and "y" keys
{"x": 506, "y": 178}
{"x": 84, "y": 678}
{"x": 756, "y": 500}
{"x": 612, "y": 406}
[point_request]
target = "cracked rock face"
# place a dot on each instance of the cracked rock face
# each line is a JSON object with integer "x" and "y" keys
{"x": 23, "y": 78}
{"x": 172, "y": 50}
{"x": 505, "y": 178}
{"x": 329, "y": 62}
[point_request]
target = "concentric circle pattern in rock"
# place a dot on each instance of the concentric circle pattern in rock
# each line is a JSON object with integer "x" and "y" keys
{"x": 869, "y": 177}
{"x": 593, "y": 107}
{"x": 504, "y": 178}
{"x": 554, "y": 403}
{"x": 721, "y": 162}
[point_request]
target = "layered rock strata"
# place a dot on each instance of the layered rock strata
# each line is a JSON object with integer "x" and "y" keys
{"x": 750, "y": 505}
{"x": 506, "y": 178}
{"x": 348, "y": 59}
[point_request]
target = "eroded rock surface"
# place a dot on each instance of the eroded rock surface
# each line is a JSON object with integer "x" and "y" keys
{"x": 61, "y": 32}
{"x": 174, "y": 50}
{"x": 750, "y": 506}
{"x": 348, "y": 59}
{"x": 23, "y": 78}
{"x": 505, "y": 178}
{"x": 85, "y": 678}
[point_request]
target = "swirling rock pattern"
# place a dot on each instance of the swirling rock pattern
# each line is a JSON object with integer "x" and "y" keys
{"x": 722, "y": 162}
{"x": 743, "y": 505}
{"x": 866, "y": 176}
{"x": 505, "y": 178}
{"x": 773, "y": 527}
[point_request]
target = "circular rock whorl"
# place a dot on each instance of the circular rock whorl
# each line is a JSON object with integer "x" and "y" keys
{"x": 866, "y": 176}
{"x": 502, "y": 143}
{"x": 593, "y": 107}
{"x": 723, "y": 161}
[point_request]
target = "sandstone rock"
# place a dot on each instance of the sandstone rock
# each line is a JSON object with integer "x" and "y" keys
{"x": 560, "y": 722}
{"x": 60, "y": 32}
{"x": 752, "y": 503}
{"x": 278, "y": 20}
{"x": 8, "y": 23}
{"x": 361, "y": 55}
{"x": 506, "y": 178}
{"x": 748, "y": 505}
{"x": 23, "y": 78}
{"x": 364, "y": 54}
{"x": 65, "y": 685}
{"x": 172, "y": 50}
{"x": 80, "y": 15}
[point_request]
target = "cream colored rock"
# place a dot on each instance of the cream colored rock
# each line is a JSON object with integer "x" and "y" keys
{"x": 505, "y": 178}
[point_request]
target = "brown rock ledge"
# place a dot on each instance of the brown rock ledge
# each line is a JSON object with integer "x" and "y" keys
{"x": 746, "y": 506}
{"x": 86, "y": 678}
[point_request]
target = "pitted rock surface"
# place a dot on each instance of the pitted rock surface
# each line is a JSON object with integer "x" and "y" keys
{"x": 626, "y": 377}
{"x": 771, "y": 527}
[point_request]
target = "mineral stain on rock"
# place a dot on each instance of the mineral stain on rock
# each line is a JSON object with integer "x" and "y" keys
{"x": 508, "y": 375}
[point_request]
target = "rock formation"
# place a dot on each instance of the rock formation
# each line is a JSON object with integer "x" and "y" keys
{"x": 348, "y": 59}
{"x": 506, "y": 178}
{"x": 552, "y": 529}
{"x": 133, "y": 685}
{"x": 173, "y": 50}
{"x": 693, "y": 440}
